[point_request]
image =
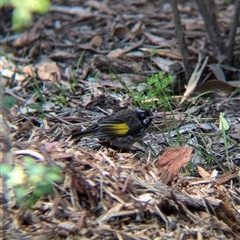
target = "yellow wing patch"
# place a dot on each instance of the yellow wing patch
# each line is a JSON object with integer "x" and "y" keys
{"x": 119, "y": 129}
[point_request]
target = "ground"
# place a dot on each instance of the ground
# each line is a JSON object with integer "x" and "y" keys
{"x": 82, "y": 61}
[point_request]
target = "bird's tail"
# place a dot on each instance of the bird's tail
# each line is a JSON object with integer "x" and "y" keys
{"x": 88, "y": 132}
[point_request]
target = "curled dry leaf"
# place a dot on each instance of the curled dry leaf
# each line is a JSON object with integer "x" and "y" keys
{"x": 214, "y": 88}
{"x": 162, "y": 42}
{"x": 26, "y": 39}
{"x": 96, "y": 41}
{"x": 136, "y": 29}
{"x": 48, "y": 70}
{"x": 171, "y": 161}
{"x": 122, "y": 32}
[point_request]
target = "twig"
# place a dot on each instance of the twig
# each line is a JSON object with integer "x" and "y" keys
{"x": 207, "y": 10}
{"x": 180, "y": 36}
{"x": 232, "y": 33}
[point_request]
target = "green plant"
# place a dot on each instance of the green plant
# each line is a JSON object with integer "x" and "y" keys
{"x": 158, "y": 91}
{"x": 224, "y": 127}
{"x": 23, "y": 9}
{"x": 38, "y": 89}
{"x": 8, "y": 102}
{"x": 30, "y": 181}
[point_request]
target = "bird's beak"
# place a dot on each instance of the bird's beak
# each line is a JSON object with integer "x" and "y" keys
{"x": 156, "y": 116}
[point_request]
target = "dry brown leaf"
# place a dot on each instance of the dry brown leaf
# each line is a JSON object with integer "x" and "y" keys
{"x": 234, "y": 83}
{"x": 215, "y": 222}
{"x": 83, "y": 13}
{"x": 193, "y": 24}
{"x": 122, "y": 32}
{"x": 28, "y": 70}
{"x": 136, "y": 29}
{"x": 203, "y": 173}
{"x": 116, "y": 53}
{"x": 26, "y": 39}
{"x": 157, "y": 40}
{"x": 171, "y": 161}
{"x": 217, "y": 71}
{"x": 48, "y": 70}
{"x": 119, "y": 51}
{"x": 62, "y": 55}
{"x": 173, "y": 54}
{"x": 166, "y": 64}
{"x": 227, "y": 177}
{"x": 96, "y": 41}
{"x": 102, "y": 6}
{"x": 236, "y": 132}
{"x": 217, "y": 87}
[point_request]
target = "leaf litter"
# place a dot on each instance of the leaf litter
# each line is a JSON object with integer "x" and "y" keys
{"x": 120, "y": 195}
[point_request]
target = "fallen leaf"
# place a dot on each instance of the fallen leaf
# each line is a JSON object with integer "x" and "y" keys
{"x": 48, "y": 70}
{"x": 203, "y": 173}
{"x": 26, "y": 39}
{"x": 166, "y": 64}
{"x": 214, "y": 88}
{"x": 102, "y": 6}
{"x": 122, "y": 32}
{"x": 173, "y": 54}
{"x": 82, "y": 13}
{"x": 67, "y": 225}
{"x": 96, "y": 41}
{"x": 115, "y": 53}
{"x": 217, "y": 71}
{"x": 157, "y": 40}
{"x": 227, "y": 177}
{"x": 119, "y": 51}
{"x": 62, "y": 55}
{"x": 171, "y": 161}
{"x": 28, "y": 70}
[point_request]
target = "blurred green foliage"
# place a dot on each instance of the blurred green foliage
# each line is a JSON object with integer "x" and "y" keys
{"x": 30, "y": 181}
{"x": 23, "y": 10}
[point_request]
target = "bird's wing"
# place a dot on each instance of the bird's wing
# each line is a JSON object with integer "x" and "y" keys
{"x": 118, "y": 127}
{"x": 112, "y": 128}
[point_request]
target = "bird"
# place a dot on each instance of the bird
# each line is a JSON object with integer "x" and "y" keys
{"x": 121, "y": 129}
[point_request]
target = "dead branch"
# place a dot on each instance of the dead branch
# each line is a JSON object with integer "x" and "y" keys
{"x": 180, "y": 36}
{"x": 207, "y": 10}
{"x": 232, "y": 33}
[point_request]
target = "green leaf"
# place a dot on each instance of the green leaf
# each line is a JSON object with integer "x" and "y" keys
{"x": 5, "y": 169}
{"x": 21, "y": 18}
{"x": 223, "y": 123}
{"x": 20, "y": 192}
{"x": 53, "y": 177}
{"x": 36, "y": 107}
{"x": 9, "y": 102}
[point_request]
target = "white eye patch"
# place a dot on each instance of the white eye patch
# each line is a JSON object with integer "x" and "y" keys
{"x": 146, "y": 121}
